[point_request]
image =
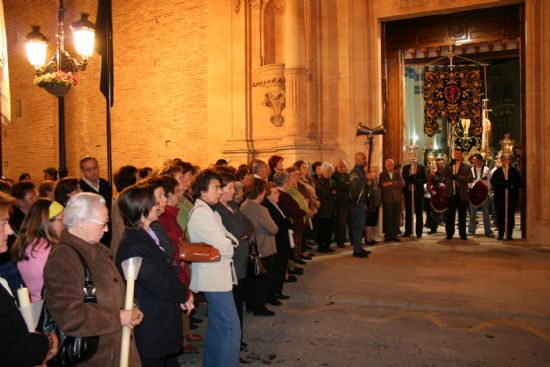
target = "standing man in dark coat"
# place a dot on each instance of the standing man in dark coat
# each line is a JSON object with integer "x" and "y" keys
{"x": 457, "y": 175}
{"x": 358, "y": 196}
{"x": 414, "y": 176}
{"x": 91, "y": 182}
{"x": 506, "y": 178}
{"x": 392, "y": 184}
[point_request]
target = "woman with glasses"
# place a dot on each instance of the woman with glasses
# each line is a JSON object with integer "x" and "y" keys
{"x": 85, "y": 220}
{"x": 38, "y": 233}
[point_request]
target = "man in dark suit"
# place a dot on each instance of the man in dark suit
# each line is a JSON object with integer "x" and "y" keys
{"x": 506, "y": 178}
{"x": 415, "y": 177}
{"x": 91, "y": 182}
{"x": 457, "y": 175}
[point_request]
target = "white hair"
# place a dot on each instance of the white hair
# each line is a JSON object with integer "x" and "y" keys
{"x": 326, "y": 166}
{"x": 80, "y": 206}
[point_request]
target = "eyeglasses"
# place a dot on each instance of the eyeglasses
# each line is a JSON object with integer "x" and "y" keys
{"x": 103, "y": 224}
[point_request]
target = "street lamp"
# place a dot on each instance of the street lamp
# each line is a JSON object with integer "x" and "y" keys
{"x": 56, "y": 75}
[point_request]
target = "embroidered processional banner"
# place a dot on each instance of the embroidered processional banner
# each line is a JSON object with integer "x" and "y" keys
{"x": 455, "y": 96}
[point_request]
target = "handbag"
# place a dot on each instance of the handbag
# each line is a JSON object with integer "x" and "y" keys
{"x": 72, "y": 349}
{"x": 198, "y": 252}
{"x": 256, "y": 267}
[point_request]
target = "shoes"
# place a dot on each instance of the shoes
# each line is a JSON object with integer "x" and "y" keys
{"x": 296, "y": 272}
{"x": 419, "y": 236}
{"x": 195, "y": 320}
{"x": 406, "y": 234}
{"x": 490, "y": 235}
{"x": 305, "y": 257}
{"x": 264, "y": 313}
{"x": 300, "y": 261}
{"x": 282, "y": 296}
{"x": 432, "y": 232}
{"x": 274, "y": 302}
{"x": 387, "y": 240}
{"x": 243, "y": 345}
{"x": 464, "y": 238}
{"x": 362, "y": 254}
{"x": 500, "y": 238}
{"x": 193, "y": 326}
{"x": 193, "y": 337}
{"x": 449, "y": 237}
{"x": 341, "y": 245}
{"x": 323, "y": 250}
{"x": 396, "y": 239}
{"x": 330, "y": 250}
{"x": 372, "y": 243}
{"x": 188, "y": 348}
{"x": 291, "y": 279}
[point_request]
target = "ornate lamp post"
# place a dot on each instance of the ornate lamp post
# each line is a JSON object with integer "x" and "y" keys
{"x": 56, "y": 75}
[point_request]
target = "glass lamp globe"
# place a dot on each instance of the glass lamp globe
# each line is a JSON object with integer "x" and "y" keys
{"x": 84, "y": 36}
{"x": 36, "y": 47}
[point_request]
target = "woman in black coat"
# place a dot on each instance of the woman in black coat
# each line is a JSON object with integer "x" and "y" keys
{"x": 282, "y": 240}
{"x": 326, "y": 192}
{"x": 158, "y": 290}
{"x": 240, "y": 227}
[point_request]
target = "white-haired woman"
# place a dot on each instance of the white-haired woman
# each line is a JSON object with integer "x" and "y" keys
{"x": 86, "y": 219}
{"x": 326, "y": 192}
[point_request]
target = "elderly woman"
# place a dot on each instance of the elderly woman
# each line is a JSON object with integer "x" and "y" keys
{"x": 326, "y": 192}
{"x": 265, "y": 230}
{"x": 159, "y": 292}
{"x": 85, "y": 219}
{"x": 18, "y": 347}
{"x": 240, "y": 227}
{"x": 38, "y": 233}
{"x": 306, "y": 185}
{"x": 215, "y": 279}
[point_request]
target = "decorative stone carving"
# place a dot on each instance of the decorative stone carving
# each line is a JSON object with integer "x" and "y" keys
{"x": 278, "y": 5}
{"x": 272, "y": 78}
{"x": 236, "y": 6}
{"x": 276, "y": 99}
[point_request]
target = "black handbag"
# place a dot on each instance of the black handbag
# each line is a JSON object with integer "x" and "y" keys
{"x": 72, "y": 349}
{"x": 256, "y": 267}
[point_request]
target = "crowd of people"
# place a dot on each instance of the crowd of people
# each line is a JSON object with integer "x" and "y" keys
{"x": 57, "y": 236}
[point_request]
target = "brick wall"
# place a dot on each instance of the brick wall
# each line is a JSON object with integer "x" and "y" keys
{"x": 160, "y": 108}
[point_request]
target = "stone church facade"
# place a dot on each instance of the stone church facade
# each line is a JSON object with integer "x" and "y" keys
{"x": 205, "y": 79}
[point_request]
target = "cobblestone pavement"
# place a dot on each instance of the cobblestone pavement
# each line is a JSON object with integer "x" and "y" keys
{"x": 428, "y": 302}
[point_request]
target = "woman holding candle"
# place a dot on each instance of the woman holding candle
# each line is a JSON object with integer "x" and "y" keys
{"x": 158, "y": 290}
{"x": 38, "y": 233}
{"x": 85, "y": 219}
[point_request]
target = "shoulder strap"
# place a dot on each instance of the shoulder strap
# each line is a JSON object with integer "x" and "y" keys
{"x": 89, "y": 290}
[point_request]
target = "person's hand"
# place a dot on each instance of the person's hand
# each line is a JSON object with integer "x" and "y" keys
{"x": 188, "y": 306}
{"x": 54, "y": 345}
{"x": 389, "y": 183}
{"x": 131, "y": 318}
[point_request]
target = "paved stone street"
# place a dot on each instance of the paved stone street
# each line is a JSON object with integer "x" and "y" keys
{"x": 428, "y": 302}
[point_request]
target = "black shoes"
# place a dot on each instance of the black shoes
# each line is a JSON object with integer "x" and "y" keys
{"x": 300, "y": 261}
{"x": 362, "y": 254}
{"x": 291, "y": 279}
{"x": 263, "y": 313}
{"x": 274, "y": 302}
{"x": 304, "y": 257}
{"x": 195, "y": 320}
{"x": 464, "y": 237}
{"x": 372, "y": 243}
{"x": 296, "y": 272}
{"x": 282, "y": 296}
{"x": 243, "y": 346}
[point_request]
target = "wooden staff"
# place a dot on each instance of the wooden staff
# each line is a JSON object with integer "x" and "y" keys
{"x": 505, "y": 203}
{"x": 413, "y": 211}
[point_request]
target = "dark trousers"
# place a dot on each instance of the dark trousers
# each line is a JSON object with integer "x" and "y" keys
{"x": 418, "y": 208}
{"x": 500, "y": 209}
{"x": 258, "y": 289}
{"x": 326, "y": 226}
{"x": 462, "y": 206}
{"x": 279, "y": 270}
{"x": 391, "y": 218}
{"x": 358, "y": 218}
{"x": 342, "y": 222}
{"x": 428, "y": 210}
{"x": 171, "y": 361}
{"x": 239, "y": 295}
{"x": 436, "y": 219}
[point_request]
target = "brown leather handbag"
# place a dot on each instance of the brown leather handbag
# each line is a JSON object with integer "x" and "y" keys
{"x": 198, "y": 252}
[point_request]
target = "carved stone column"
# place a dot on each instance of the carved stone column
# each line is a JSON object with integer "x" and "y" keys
{"x": 296, "y": 73}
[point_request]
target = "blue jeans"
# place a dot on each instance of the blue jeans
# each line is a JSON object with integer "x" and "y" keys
{"x": 223, "y": 335}
{"x": 486, "y": 219}
{"x": 358, "y": 224}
